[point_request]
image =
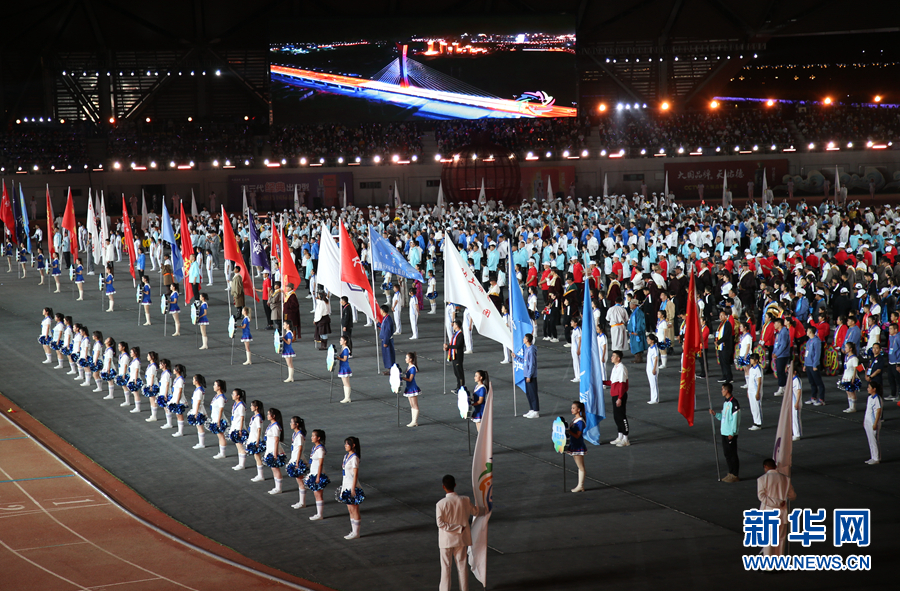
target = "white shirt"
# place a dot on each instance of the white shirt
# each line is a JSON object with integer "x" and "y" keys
{"x": 197, "y": 402}
{"x": 755, "y": 374}
{"x": 652, "y": 360}
{"x": 619, "y": 373}
{"x": 873, "y": 404}
{"x": 297, "y": 441}
{"x": 237, "y": 416}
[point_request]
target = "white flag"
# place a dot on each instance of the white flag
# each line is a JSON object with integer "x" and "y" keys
{"x": 783, "y": 451}
{"x": 483, "y": 489}
{"x": 343, "y": 198}
{"x": 605, "y": 184}
{"x": 666, "y": 189}
{"x": 463, "y": 288}
{"x": 329, "y": 275}
{"x": 296, "y": 200}
{"x": 482, "y": 196}
{"x": 837, "y": 182}
{"x": 104, "y": 225}
{"x": 92, "y": 230}
{"x": 244, "y": 209}
{"x": 145, "y": 220}
{"x": 397, "y": 204}
{"x": 549, "y": 189}
{"x": 194, "y": 212}
{"x": 440, "y": 198}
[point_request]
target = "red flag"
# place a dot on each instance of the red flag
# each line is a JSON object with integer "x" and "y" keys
{"x": 129, "y": 238}
{"x": 233, "y": 254}
{"x": 187, "y": 249}
{"x": 50, "y": 232}
{"x": 7, "y": 216}
{"x": 352, "y": 270}
{"x": 691, "y": 349}
{"x": 68, "y": 222}
{"x": 289, "y": 272}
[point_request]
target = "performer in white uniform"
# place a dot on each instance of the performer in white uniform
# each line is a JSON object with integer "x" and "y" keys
{"x": 177, "y": 404}
{"x": 256, "y": 445}
{"x": 413, "y": 314}
{"x": 274, "y": 458}
{"x": 316, "y": 480}
{"x": 44, "y": 338}
{"x": 238, "y": 433}
{"x": 96, "y": 360}
{"x": 797, "y": 401}
{"x": 297, "y": 468}
{"x": 576, "y": 349}
{"x": 217, "y": 422}
{"x": 197, "y": 416}
{"x": 134, "y": 378}
{"x": 106, "y": 372}
{"x": 165, "y": 385}
{"x": 78, "y": 371}
{"x": 151, "y": 387}
{"x": 653, "y": 368}
{"x": 872, "y": 422}
{"x": 350, "y": 493}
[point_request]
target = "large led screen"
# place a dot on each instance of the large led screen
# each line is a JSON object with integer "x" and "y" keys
{"x": 415, "y": 69}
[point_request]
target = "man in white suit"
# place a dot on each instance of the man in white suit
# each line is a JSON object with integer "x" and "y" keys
{"x": 774, "y": 490}
{"x": 454, "y": 533}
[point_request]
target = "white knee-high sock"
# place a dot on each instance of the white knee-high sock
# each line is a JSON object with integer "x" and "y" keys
{"x": 320, "y": 508}
{"x": 302, "y": 495}
{"x": 153, "y": 411}
{"x": 48, "y": 357}
{"x": 127, "y": 396}
{"x": 181, "y": 427}
{"x": 354, "y": 526}
{"x": 222, "y": 449}
{"x": 110, "y": 386}
{"x": 259, "y": 472}
{"x": 168, "y": 418}
{"x": 278, "y": 484}
{"x": 201, "y": 438}
{"x": 137, "y": 402}
{"x": 242, "y": 459}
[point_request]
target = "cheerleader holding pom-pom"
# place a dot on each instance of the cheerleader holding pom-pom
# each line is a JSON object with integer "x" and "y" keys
{"x": 84, "y": 359}
{"x": 44, "y": 339}
{"x": 274, "y": 458}
{"x": 217, "y": 423}
{"x": 135, "y": 384}
{"x": 151, "y": 388}
{"x": 255, "y": 445}
{"x": 238, "y": 433}
{"x": 145, "y": 298}
{"x": 108, "y": 372}
{"x": 662, "y": 326}
{"x": 297, "y": 468}
{"x": 122, "y": 374}
{"x": 850, "y": 381}
{"x": 56, "y": 342}
{"x": 165, "y": 384}
{"x": 96, "y": 360}
{"x": 23, "y": 259}
{"x": 174, "y": 310}
{"x": 431, "y": 296}
{"x": 177, "y": 404}
{"x": 76, "y": 351}
{"x": 287, "y": 349}
{"x": 349, "y": 493}
{"x": 39, "y": 261}
{"x": 316, "y": 480}
{"x": 197, "y": 416}
{"x": 66, "y": 349}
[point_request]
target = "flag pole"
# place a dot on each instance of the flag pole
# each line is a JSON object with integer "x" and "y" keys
{"x": 512, "y": 352}
{"x": 375, "y": 303}
{"x": 712, "y": 418}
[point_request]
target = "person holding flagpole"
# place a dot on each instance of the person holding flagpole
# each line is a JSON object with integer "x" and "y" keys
{"x": 454, "y": 532}
{"x": 386, "y": 336}
{"x": 618, "y": 390}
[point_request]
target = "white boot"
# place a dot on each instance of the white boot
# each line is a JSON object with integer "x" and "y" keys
{"x": 346, "y": 395}
{"x": 414, "y": 422}
{"x": 248, "y": 362}
{"x": 290, "y": 377}
{"x": 205, "y": 341}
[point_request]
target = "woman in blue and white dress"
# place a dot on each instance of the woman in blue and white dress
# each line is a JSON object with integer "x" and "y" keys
{"x": 217, "y": 423}
{"x": 56, "y": 338}
{"x": 576, "y": 442}
{"x": 23, "y": 258}
{"x": 344, "y": 371}
{"x": 296, "y": 467}
{"x": 151, "y": 386}
{"x": 39, "y": 262}
{"x": 68, "y": 337}
{"x": 246, "y": 337}
{"x": 96, "y": 359}
{"x": 121, "y": 378}
{"x": 165, "y": 388}
{"x": 349, "y": 493}
{"x": 174, "y": 310}
{"x": 55, "y": 270}
{"x": 108, "y": 371}
{"x": 145, "y": 298}
{"x": 135, "y": 383}
{"x": 274, "y": 458}
{"x": 480, "y": 395}
{"x": 177, "y": 403}
{"x": 203, "y": 320}
{"x": 44, "y": 338}
{"x": 412, "y": 391}
{"x": 287, "y": 349}
{"x": 256, "y": 445}
{"x": 850, "y": 382}
{"x": 79, "y": 278}
{"x": 197, "y": 416}
{"x": 76, "y": 352}
{"x": 10, "y": 253}
{"x": 238, "y": 432}
{"x": 742, "y": 361}
{"x": 317, "y": 480}
{"x": 110, "y": 287}
{"x": 84, "y": 357}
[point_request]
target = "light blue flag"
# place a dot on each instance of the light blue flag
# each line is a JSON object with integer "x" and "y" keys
{"x": 590, "y": 389}
{"x": 387, "y": 258}
{"x": 25, "y": 227}
{"x": 168, "y": 235}
{"x": 521, "y": 326}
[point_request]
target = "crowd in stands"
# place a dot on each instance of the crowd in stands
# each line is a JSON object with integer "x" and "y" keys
{"x": 182, "y": 143}
{"x": 332, "y": 140}
{"x": 519, "y": 135}
{"x": 45, "y": 146}
{"x": 846, "y": 123}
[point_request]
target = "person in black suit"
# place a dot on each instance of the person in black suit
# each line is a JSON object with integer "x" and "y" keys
{"x": 455, "y": 354}
{"x": 725, "y": 347}
{"x": 346, "y": 321}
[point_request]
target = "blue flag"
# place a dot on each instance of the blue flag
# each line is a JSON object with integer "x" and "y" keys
{"x": 258, "y": 256}
{"x": 590, "y": 389}
{"x": 521, "y": 326}
{"x": 387, "y": 258}
{"x": 168, "y": 235}
{"x": 25, "y": 227}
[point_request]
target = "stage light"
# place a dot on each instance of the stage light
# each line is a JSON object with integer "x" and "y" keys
{"x": 601, "y": 107}
{"x": 548, "y": 154}
{"x": 117, "y": 166}
{"x": 437, "y": 157}
{"x": 637, "y": 105}
{"x": 755, "y": 148}
{"x": 869, "y": 144}
{"x": 737, "y": 148}
{"x": 627, "y": 107}
{"x": 414, "y": 158}
{"x": 172, "y": 164}
{"x": 85, "y": 166}
{"x": 773, "y": 147}
{"x": 680, "y": 150}
{"x": 643, "y": 152}
{"x": 619, "y": 107}
{"x": 664, "y": 106}
{"x": 830, "y": 144}
{"x": 321, "y": 161}
{"x": 218, "y": 73}
{"x": 584, "y": 153}
{"x": 877, "y": 98}
{"x": 849, "y": 144}
{"x": 718, "y": 148}
{"x": 811, "y": 145}
{"x": 770, "y": 103}
{"x": 358, "y": 159}
{"x": 602, "y": 152}
{"x": 246, "y": 118}
{"x": 377, "y": 158}
{"x": 396, "y": 157}
{"x": 18, "y": 121}
{"x": 714, "y": 104}
{"x": 35, "y": 166}
{"x": 266, "y": 161}
{"x": 827, "y": 100}
{"x": 565, "y": 154}
{"x": 112, "y": 119}
{"x": 215, "y": 163}
{"x": 191, "y": 164}
{"x": 190, "y": 119}
{"x": 303, "y": 161}
{"x": 228, "y": 163}
{"x": 192, "y": 72}
{"x": 52, "y": 167}
{"x": 42, "y": 119}
{"x": 153, "y": 164}
{"x": 246, "y": 163}
{"x": 69, "y": 167}
{"x": 662, "y": 150}
{"x": 283, "y": 161}
{"x": 147, "y": 119}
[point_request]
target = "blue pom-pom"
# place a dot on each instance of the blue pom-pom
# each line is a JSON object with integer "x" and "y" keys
{"x": 44, "y": 340}
{"x": 97, "y": 366}
{"x": 136, "y": 385}
{"x": 298, "y": 469}
{"x": 65, "y": 350}
{"x": 255, "y": 448}
{"x": 197, "y": 419}
{"x": 272, "y": 462}
{"x": 387, "y": 286}
{"x": 239, "y": 436}
{"x": 73, "y": 357}
{"x": 853, "y": 386}
{"x": 162, "y": 401}
{"x": 54, "y": 345}
{"x": 311, "y": 483}
{"x": 107, "y": 375}
{"x": 176, "y": 409}
{"x": 151, "y": 391}
{"x": 431, "y": 296}
{"x": 214, "y": 427}
{"x": 121, "y": 380}
{"x": 84, "y": 363}
{"x": 343, "y": 496}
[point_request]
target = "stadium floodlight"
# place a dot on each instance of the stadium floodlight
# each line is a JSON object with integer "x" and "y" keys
{"x": 877, "y": 98}
{"x": 266, "y": 161}
{"x": 35, "y": 166}
{"x": 377, "y": 158}
{"x": 849, "y": 144}
{"x": 191, "y": 164}
{"x": 770, "y": 103}
{"x": 437, "y": 157}
{"x": 627, "y": 107}
{"x": 117, "y": 166}
{"x": 584, "y": 153}
{"x": 396, "y": 157}
{"x": 283, "y": 161}
{"x": 664, "y": 106}
{"x": 619, "y": 107}
{"x": 643, "y": 151}
{"x": 827, "y": 100}
{"x": 246, "y": 163}
{"x": 713, "y": 104}
{"x": 680, "y": 150}
{"x": 755, "y": 148}
{"x": 773, "y": 147}
{"x": 565, "y": 154}
{"x": 218, "y": 73}
{"x": 548, "y": 154}
{"x": 737, "y": 148}
{"x": 153, "y": 164}
{"x": 303, "y": 161}
{"x": 414, "y": 158}
{"x": 811, "y": 145}
{"x": 228, "y": 163}
{"x": 321, "y": 161}
{"x": 172, "y": 164}
{"x": 662, "y": 150}
{"x": 358, "y": 159}
{"x": 602, "y": 107}
{"x": 215, "y": 163}
{"x": 637, "y": 105}
{"x": 718, "y": 148}
{"x": 340, "y": 159}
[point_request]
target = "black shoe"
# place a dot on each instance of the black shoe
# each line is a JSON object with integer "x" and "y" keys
{"x": 270, "y": 327}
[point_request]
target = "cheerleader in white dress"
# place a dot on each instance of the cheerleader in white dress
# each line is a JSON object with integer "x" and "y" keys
{"x": 197, "y": 416}
{"x": 177, "y": 403}
{"x": 274, "y": 458}
{"x": 44, "y": 338}
{"x": 217, "y": 423}
{"x": 151, "y": 387}
{"x": 107, "y": 372}
{"x": 431, "y": 295}
{"x": 256, "y": 445}
{"x": 135, "y": 383}
{"x": 121, "y": 377}
{"x": 238, "y": 433}
{"x": 84, "y": 360}
{"x": 165, "y": 387}
{"x": 96, "y": 360}
{"x": 76, "y": 352}
{"x": 57, "y": 345}
{"x": 850, "y": 381}
{"x": 297, "y": 468}
{"x": 316, "y": 480}
{"x": 349, "y": 493}
{"x": 68, "y": 338}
